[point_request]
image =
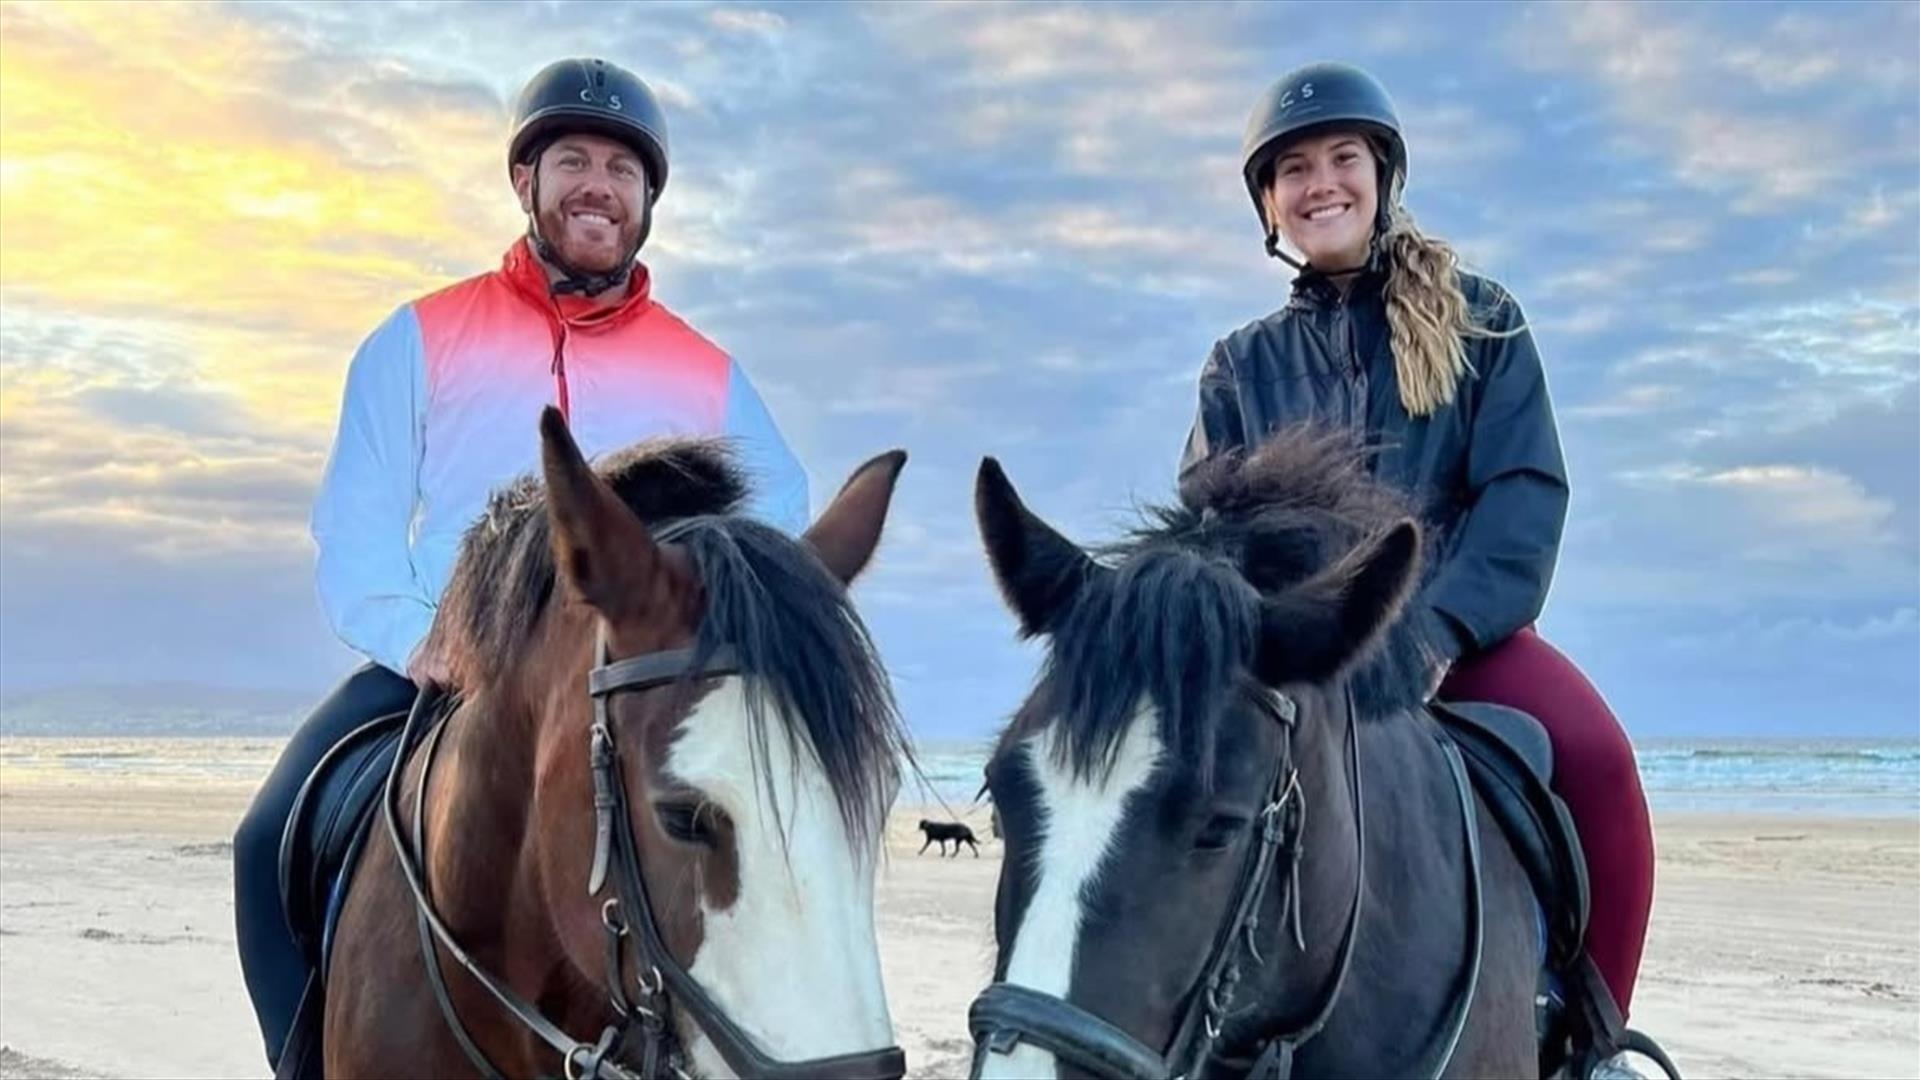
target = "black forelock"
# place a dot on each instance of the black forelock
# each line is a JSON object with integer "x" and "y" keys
{"x": 1176, "y": 620}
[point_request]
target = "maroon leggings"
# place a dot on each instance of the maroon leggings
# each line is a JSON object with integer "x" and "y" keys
{"x": 1594, "y": 773}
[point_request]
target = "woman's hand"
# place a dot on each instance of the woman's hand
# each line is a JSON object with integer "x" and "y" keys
{"x": 1436, "y": 676}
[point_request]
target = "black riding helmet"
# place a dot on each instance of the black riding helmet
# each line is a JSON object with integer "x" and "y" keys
{"x": 593, "y": 97}
{"x": 1310, "y": 100}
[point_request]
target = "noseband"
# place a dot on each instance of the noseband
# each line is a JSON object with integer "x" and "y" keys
{"x": 660, "y": 984}
{"x": 1005, "y": 1015}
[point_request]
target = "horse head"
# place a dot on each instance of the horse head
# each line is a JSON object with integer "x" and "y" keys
{"x": 1188, "y": 715}
{"x": 713, "y": 749}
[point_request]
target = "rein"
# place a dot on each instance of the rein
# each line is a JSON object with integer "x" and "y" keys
{"x": 627, "y": 916}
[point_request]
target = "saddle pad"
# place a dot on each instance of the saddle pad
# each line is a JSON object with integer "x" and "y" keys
{"x": 325, "y": 829}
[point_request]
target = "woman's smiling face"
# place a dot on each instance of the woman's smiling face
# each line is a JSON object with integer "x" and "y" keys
{"x": 1322, "y": 197}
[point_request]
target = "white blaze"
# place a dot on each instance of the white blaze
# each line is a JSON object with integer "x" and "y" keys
{"x": 794, "y": 960}
{"x": 1080, "y": 818}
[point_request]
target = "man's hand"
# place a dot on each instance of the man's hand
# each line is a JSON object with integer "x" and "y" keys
{"x": 429, "y": 664}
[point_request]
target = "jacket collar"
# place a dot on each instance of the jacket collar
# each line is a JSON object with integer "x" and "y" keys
{"x": 523, "y": 271}
{"x": 1315, "y": 291}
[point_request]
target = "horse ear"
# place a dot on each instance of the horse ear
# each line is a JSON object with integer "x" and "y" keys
{"x": 599, "y": 546}
{"x": 1323, "y": 626}
{"x": 847, "y": 531}
{"x": 1038, "y": 570}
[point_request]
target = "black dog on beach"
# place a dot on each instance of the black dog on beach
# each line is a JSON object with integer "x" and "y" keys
{"x": 939, "y": 832}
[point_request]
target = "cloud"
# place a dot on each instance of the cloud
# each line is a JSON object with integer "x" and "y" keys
{"x": 1453, "y": 137}
{"x": 966, "y": 230}
{"x": 746, "y": 20}
{"x": 1878, "y": 214}
{"x": 1766, "y": 370}
{"x": 1676, "y": 87}
{"x": 911, "y": 390}
{"x": 82, "y": 604}
{"x": 1636, "y": 400}
{"x": 1769, "y": 275}
{"x": 1810, "y": 509}
{"x": 1855, "y": 338}
{"x": 1690, "y": 537}
{"x": 1801, "y": 632}
{"x": 262, "y": 190}
{"x": 1101, "y": 89}
{"x": 157, "y": 490}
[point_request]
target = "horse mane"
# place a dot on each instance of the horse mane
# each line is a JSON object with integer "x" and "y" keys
{"x": 790, "y": 622}
{"x": 1177, "y": 621}
{"x": 504, "y": 577}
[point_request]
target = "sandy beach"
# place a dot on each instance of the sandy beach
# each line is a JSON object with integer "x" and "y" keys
{"x": 1781, "y": 946}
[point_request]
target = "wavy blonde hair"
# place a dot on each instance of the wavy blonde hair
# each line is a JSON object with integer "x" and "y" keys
{"x": 1427, "y": 314}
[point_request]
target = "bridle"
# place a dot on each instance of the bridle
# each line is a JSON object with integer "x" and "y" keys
{"x": 660, "y": 984}
{"x": 1006, "y": 1014}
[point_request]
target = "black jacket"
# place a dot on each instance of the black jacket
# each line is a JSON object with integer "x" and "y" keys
{"x": 1486, "y": 471}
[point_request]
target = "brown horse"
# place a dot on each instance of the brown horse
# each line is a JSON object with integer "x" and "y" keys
{"x": 674, "y": 872}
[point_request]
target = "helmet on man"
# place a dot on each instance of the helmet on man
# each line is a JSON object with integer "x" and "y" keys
{"x": 589, "y": 96}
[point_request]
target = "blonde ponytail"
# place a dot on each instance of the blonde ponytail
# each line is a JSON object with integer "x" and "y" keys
{"x": 1427, "y": 313}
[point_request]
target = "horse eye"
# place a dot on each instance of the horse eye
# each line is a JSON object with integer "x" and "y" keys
{"x": 1219, "y": 832}
{"x": 689, "y": 823}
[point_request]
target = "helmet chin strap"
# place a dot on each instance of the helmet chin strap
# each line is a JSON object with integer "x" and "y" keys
{"x": 574, "y": 280}
{"x": 1375, "y": 254}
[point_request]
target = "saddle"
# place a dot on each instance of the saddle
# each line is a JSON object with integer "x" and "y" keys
{"x": 326, "y": 830}
{"x": 1510, "y": 761}
{"x": 321, "y": 846}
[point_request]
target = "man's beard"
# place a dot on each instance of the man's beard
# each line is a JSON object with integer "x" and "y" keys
{"x": 589, "y": 257}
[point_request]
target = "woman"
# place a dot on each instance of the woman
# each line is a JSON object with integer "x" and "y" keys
{"x": 1436, "y": 367}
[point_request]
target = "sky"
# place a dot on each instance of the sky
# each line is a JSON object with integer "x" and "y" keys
{"x": 978, "y": 229}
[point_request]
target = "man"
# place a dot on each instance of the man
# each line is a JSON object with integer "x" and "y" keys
{"x": 441, "y": 408}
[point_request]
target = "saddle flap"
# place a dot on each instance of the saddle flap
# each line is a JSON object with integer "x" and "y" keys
{"x": 1510, "y": 761}
{"x": 329, "y": 816}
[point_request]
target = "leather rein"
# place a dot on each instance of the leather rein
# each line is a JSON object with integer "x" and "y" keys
{"x": 659, "y": 984}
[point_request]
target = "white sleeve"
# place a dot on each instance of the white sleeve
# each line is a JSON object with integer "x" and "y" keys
{"x": 779, "y": 482}
{"x": 363, "y": 517}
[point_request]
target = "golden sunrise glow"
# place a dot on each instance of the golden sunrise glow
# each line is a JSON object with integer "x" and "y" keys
{"x": 169, "y": 163}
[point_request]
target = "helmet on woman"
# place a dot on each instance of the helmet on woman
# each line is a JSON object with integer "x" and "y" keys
{"x": 1308, "y": 101}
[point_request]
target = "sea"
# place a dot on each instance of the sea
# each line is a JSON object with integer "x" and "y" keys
{"x": 1824, "y": 777}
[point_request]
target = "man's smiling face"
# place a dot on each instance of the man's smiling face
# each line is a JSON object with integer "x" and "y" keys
{"x": 593, "y": 199}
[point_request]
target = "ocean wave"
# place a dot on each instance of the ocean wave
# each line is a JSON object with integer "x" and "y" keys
{"x": 1885, "y": 754}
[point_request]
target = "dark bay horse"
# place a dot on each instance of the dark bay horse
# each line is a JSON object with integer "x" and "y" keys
{"x": 1234, "y": 842}
{"x": 673, "y": 872}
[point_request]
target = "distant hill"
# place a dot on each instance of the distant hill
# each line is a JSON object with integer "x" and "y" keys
{"x": 153, "y": 709}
